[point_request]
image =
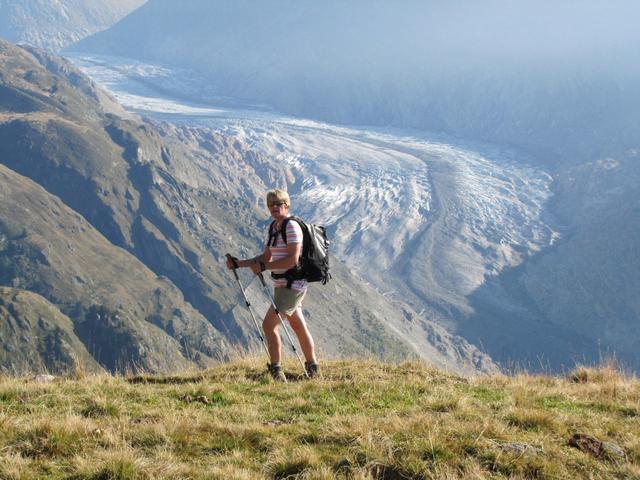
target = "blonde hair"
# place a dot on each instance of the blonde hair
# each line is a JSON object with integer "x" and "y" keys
{"x": 279, "y": 196}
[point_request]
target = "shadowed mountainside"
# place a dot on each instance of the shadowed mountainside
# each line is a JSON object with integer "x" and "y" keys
{"x": 580, "y": 297}
{"x": 123, "y": 314}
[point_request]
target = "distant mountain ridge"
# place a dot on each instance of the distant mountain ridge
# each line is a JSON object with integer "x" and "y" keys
{"x": 522, "y": 74}
{"x": 54, "y": 25}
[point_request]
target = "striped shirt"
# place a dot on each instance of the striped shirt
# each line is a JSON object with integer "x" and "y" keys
{"x": 294, "y": 235}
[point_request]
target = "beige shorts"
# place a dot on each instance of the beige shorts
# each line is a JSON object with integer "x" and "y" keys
{"x": 288, "y": 300}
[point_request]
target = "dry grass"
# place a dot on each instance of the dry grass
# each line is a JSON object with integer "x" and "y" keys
{"x": 364, "y": 420}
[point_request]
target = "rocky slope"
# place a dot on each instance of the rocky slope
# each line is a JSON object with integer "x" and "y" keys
{"x": 123, "y": 314}
{"x": 34, "y": 330}
{"x": 143, "y": 216}
{"x": 54, "y": 25}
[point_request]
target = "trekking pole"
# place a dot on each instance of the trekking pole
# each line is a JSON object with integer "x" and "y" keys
{"x": 246, "y": 301}
{"x": 286, "y": 330}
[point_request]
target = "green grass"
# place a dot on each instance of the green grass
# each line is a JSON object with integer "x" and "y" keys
{"x": 363, "y": 420}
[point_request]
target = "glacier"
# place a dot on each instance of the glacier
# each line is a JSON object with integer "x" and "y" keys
{"x": 424, "y": 218}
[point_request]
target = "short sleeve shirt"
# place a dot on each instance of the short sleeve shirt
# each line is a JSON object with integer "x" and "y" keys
{"x": 294, "y": 235}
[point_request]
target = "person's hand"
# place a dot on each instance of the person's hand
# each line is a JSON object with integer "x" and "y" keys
{"x": 232, "y": 262}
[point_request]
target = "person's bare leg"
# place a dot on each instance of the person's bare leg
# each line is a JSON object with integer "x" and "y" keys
{"x": 270, "y": 325}
{"x": 299, "y": 326}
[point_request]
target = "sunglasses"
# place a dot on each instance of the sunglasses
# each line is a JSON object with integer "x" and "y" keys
{"x": 276, "y": 204}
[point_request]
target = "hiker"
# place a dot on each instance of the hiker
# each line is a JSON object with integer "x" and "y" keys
{"x": 279, "y": 257}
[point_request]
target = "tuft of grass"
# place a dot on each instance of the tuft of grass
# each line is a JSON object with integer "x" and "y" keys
{"x": 444, "y": 405}
{"x": 8, "y": 395}
{"x": 607, "y": 373}
{"x": 99, "y": 408}
{"x": 535, "y": 420}
{"x": 487, "y": 394}
{"x": 559, "y": 403}
{"x": 119, "y": 465}
{"x": 49, "y": 440}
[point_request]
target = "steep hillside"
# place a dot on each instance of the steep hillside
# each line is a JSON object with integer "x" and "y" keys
{"x": 125, "y": 316}
{"x": 54, "y": 25}
{"x": 37, "y": 336}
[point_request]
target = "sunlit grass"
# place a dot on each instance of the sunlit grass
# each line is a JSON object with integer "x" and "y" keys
{"x": 363, "y": 420}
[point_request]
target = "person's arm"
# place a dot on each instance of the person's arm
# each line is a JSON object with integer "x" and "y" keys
{"x": 258, "y": 264}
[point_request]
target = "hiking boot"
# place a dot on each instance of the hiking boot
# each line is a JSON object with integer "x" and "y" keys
{"x": 276, "y": 373}
{"x": 312, "y": 369}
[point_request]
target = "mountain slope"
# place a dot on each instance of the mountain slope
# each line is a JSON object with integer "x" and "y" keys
{"x": 580, "y": 296}
{"x": 124, "y": 315}
{"x": 37, "y": 336}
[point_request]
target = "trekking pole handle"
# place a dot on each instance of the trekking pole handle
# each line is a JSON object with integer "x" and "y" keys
{"x": 234, "y": 261}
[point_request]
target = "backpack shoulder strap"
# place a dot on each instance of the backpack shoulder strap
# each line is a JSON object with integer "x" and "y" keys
{"x": 306, "y": 235}
{"x": 271, "y": 242}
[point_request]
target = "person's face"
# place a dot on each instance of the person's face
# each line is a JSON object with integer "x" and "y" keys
{"x": 278, "y": 208}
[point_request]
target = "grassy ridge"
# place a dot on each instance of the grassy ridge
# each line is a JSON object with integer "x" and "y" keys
{"x": 363, "y": 420}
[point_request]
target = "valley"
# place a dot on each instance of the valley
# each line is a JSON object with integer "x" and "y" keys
{"x": 423, "y": 219}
